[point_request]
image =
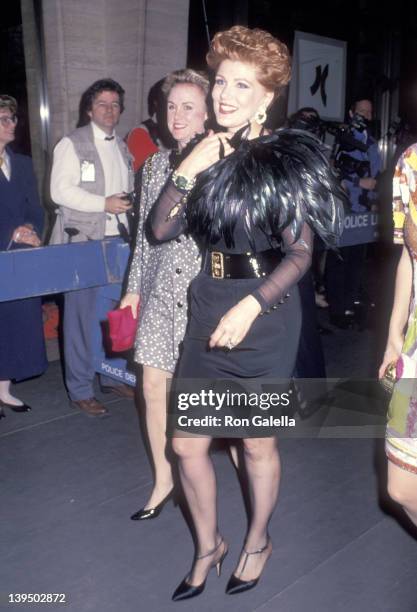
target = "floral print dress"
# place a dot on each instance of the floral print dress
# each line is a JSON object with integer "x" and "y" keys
{"x": 401, "y": 438}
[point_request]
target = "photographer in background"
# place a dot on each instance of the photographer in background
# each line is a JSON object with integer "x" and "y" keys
{"x": 359, "y": 163}
{"x": 358, "y": 158}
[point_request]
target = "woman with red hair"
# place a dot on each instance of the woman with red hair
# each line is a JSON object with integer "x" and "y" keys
{"x": 248, "y": 197}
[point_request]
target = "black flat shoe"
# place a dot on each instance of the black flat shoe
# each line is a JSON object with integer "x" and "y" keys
{"x": 186, "y": 590}
{"x": 23, "y": 408}
{"x": 235, "y": 584}
{"x": 151, "y": 513}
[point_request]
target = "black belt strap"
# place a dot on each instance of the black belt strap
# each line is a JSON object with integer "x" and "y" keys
{"x": 241, "y": 265}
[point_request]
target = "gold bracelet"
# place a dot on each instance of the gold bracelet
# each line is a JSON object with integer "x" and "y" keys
{"x": 177, "y": 208}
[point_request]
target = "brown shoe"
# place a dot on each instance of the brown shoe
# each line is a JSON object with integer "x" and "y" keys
{"x": 125, "y": 391}
{"x": 90, "y": 406}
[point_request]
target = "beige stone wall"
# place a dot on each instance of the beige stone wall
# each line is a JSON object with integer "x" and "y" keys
{"x": 135, "y": 42}
{"x": 33, "y": 70}
{"x": 166, "y": 40}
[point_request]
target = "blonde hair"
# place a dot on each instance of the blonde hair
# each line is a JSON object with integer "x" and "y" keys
{"x": 267, "y": 54}
{"x": 187, "y": 76}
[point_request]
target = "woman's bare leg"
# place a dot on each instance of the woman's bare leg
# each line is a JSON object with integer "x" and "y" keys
{"x": 402, "y": 488}
{"x": 263, "y": 469}
{"x": 199, "y": 484}
{"x": 155, "y": 394}
{"x": 234, "y": 454}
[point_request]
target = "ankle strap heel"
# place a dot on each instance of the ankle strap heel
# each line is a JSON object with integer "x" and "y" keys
{"x": 186, "y": 590}
{"x": 235, "y": 584}
{"x": 254, "y": 552}
{"x": 210, "y": 552}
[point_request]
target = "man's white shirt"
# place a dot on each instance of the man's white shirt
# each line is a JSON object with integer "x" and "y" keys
{"x": 66, "y": 177}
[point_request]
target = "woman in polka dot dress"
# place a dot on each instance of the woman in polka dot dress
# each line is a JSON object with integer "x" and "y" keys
{"x": 159, "y": 278}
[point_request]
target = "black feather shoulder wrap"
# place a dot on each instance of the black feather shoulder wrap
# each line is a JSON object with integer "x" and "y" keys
{"x": 274, "y": 181}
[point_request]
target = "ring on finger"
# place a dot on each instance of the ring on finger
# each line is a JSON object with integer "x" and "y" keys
{"x": 229, "y": 344}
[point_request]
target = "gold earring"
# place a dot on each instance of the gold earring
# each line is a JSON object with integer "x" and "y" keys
{"x": 260, "y": 116}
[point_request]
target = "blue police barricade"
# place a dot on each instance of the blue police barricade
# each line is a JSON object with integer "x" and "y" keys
{"x": 113, "y": 365}
{"x": 119, "y": 368}
{"x": 360, "y": 228}
{"x": 61, "y": 268}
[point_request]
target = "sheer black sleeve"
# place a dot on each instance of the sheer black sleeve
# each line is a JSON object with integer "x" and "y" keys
{"x": 167, "y": 218}
{"x": 290, "y": 270}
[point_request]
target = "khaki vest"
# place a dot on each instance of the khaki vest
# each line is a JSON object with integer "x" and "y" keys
{"x": 90, "y": 225}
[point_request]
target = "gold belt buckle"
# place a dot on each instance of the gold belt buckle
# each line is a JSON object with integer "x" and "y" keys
{"x": 217, "y": 264}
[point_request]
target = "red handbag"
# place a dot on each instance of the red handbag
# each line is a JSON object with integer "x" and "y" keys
{"x": 122, "y": 328}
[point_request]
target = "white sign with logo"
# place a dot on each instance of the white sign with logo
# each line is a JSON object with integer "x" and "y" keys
{"x": 319, "y": 76}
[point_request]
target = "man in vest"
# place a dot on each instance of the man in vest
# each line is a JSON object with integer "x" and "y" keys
{"x": 91, "y": 172}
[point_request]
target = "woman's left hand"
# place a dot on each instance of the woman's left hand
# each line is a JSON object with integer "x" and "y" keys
{"x": 235, "y": 324}
{"x": 25, "y": 234}
{"x": 392, "y": 353}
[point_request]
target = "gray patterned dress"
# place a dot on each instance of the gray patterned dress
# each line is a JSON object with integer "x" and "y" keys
{"x": 160, "y": 274}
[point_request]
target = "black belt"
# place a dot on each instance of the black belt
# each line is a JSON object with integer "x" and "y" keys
{"x": 241, "y": 265}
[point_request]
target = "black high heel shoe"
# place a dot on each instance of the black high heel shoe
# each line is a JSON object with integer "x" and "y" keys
{"x": 150, "y": 513}
{"x": 14, "y": 407}
{"x": 186, "y": 590}
{"x": 235, "y": 584}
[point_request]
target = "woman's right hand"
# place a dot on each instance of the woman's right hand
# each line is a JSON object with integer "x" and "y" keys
{"x": 392, "y": 353}
{"x": 205, "y": 154}
{"x": 132, "y": 300}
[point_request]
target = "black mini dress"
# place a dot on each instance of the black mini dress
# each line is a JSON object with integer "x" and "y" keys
{"x": 270, "y": 347}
